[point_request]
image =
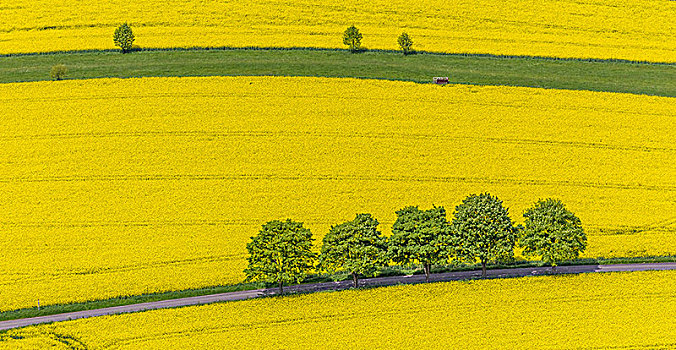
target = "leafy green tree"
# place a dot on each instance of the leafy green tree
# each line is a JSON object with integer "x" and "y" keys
{"x": 485, "y": 230}
{"x": 552, "y": 232}
{"x": 352, "y": 38}
{"x": 124, "y": 38}
{"x": 58, "y": 72}
{"x": 405, "y": 43}
{"x": 420, "y": 236}
{"x": 280, "y": 253}
{"x": 356, "y": 246}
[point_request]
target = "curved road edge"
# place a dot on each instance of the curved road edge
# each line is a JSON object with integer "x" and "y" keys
{"x": 334, "y": 286}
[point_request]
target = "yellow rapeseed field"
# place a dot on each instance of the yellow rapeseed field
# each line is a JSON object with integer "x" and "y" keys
{"x": 125, "y": 186}
{"x": 623, "y": 29}
{"x": 588, "y": 311}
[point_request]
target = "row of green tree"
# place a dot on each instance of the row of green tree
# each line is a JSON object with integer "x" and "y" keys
{"x": 124, "y": 39}
{"x": 352, "y": 38}
{"x": 480, "y": 230}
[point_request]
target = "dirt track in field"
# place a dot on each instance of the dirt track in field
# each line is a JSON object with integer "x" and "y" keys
{"x": 316, "y": 287}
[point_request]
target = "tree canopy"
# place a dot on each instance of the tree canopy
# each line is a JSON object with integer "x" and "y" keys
{"x": 124, "y": 38}
{"x": 420, "y": 236}
{"x": 405, "y": 43}
{"x": 484, "y": 229}
{"x": 552, "y": 232}
{"x": 352, "y": 38}
{"x": 58, "y": 72}
{"x": 356, "y": 246}
{"x": 280, "y": 253}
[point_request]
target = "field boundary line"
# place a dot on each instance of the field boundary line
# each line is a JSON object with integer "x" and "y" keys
{"x": 336, "y": 286}
{"x": 332, "y": 177}
{"x": 328, "y": 134}
{"x": 315, "y": 48}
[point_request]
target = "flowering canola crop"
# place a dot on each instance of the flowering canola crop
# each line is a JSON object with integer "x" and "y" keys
{"x": 621, "y": 29}
{"x": 126, "y": 186}
{"x": 592, "y": 311}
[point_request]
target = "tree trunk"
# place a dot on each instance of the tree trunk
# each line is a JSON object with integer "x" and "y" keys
{"x": 355, "y": 278}
{"x": 483, "y": 268}
{"x": 281, "y": 287}
{"x": 427, "y": 268}
{"x": 553, "y": 268}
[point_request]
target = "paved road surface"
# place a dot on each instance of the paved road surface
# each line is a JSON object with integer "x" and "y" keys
{"x": 305, "y": 288}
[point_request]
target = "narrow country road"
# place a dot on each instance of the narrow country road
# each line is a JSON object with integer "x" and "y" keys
{"x": 315, "y": 287}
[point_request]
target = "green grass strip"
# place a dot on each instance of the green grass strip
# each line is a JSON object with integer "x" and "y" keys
{"x": 388, "y": 271}
{"x": 595, "y": 75}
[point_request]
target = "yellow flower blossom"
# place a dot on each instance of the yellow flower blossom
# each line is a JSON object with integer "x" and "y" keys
{"x": 620, "y": 29}
{"x": 127, "y": 186}
{"x": 591, "y": 311}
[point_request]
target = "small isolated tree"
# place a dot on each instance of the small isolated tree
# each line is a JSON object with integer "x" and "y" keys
{"x": 352, "y": 38}
{"x": 552, "y": 232}
{"x": 405, "y": 43}
{"x": 356, "y": 246}
{"x": 420, "y": 236}
{"x": 485, "y": 230}
{"x": 124, "y": 38}
{"x": 280, "y": 253}
{"x": 58, "y": 72}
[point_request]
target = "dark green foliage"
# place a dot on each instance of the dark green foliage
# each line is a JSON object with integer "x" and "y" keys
{"x": 355, "y": 246}
{"x": 58, "y": 72}
{"x": 280, "y": 253}
{"x": 405, "y": 43}
{"x": 352, "y": 38}
{"x": 124, "y": 38}
{"x": 552, "y": 232}
{"x": 485, "y": 230}
{"x": 421, "y": 236}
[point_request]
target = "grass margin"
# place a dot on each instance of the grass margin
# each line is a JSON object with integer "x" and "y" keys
{"x": 314, "y": 278}
{"x": 620, "y": 76}
{"x": 314, "y": 48}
